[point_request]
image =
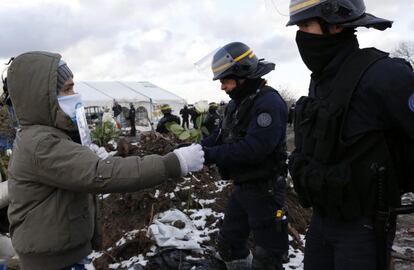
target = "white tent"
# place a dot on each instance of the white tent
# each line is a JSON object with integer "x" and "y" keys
{"x": 141, "y": 94}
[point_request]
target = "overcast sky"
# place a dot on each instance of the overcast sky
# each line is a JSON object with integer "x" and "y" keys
{"x": 160, "y": 40}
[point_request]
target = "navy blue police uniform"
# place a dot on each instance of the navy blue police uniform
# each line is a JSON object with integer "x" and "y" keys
{"x": 340, "y": 182}
{"x": 249, "y": 148}
{"x": 352, "y": 137}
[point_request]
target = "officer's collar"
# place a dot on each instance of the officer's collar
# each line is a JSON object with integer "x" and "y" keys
{"x": 249, "y": 87}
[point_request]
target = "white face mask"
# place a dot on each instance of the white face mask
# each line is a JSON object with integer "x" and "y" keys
{"x": 72, "y": 106}
{"x": 69, "y": 104}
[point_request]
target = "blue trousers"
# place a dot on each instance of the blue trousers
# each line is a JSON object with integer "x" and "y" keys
{"x": 252, "y": 208}
{"x": 338, "y": 245}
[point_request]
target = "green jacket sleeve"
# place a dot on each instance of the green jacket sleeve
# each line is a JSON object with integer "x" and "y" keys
{"x": 68, "y": 165}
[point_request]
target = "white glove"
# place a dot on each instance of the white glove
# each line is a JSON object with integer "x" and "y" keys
{"x": 4, "y": 194}
{"x": 99, "y": 151}
{"x": 191, "y": 158}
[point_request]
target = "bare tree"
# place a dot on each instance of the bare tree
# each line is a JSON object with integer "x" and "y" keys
{"x": 405, "y": 50}
{"x": 287, "y": 94}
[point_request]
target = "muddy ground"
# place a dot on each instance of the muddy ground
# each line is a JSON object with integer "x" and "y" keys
{"x": 122, "y": 213}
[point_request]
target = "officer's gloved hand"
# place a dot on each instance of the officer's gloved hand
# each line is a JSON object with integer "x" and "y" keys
{"x": 99, "y": 151}
{"x": 191, "y": 158}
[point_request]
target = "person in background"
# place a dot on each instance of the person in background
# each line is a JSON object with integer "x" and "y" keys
{"x": 117, "y": 109}
{"x": 168, "y": 117}
{"x": 131, "y": 118}
{"x": 193, "y": 115}
{"x": 212, "y": 120}
{"x": 249, "y": 148}
{"x": 53, "y": 179}
{"x": 221, "y": 108}
{"x": 352, "y": 133}
{"x": 185, "y": 113}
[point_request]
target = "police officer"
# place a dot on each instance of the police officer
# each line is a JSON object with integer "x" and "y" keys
{"x": 167, "y": 118}
{"x": 185, "y": 113}
{"x": 249, "y": 149}
{"x": 213, "y": 118}
{"x": 360, "y": 106}
{"x": 131, "y": 118}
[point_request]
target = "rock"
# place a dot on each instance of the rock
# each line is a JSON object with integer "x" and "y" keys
{"x": 179, "y": 224}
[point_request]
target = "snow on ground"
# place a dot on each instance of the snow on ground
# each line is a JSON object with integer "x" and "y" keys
{"x": 295, "y": 256}
{"x": 221, "y": 185}
{"x": 404, "y": 239}
{"x": 408, "y": 198}
{"x": 127, "y": 236}
{"x": 140, "y": 259}
{"x": 295, "y": 259}
{"x": 196, "y": 229}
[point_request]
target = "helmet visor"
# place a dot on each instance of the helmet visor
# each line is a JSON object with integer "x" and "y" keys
{"x": 223, "y": 61}
{"x": 220, "y": 61}
{"x": 203, "y": 65}
{"x": 297, "y": 6}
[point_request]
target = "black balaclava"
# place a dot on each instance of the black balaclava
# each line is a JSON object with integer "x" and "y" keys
{"x": 318, "y": 50}
{"x": 243, "y": 89}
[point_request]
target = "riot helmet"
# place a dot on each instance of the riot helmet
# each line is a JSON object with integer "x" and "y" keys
{"x": 346, "y": 13}
{"x": 237, "y": 60}
{"x": 165, "y": 108}
{"x": 213, "y": 105}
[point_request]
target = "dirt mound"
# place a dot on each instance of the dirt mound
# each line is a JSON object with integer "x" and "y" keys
{"x": 126, "y": 217}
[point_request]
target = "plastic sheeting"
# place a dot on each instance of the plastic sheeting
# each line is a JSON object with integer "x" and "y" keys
{"x": 166, "y": 235}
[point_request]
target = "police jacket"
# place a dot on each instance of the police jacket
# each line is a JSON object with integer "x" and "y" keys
{"x": 167, "y": 118}
{"x": 338, "y": 151}
{"x": 249, "y": 146}
{"x": 52, "y": 179}
{"x": 212, "y": 120}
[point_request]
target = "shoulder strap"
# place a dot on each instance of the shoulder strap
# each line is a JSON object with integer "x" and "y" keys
{"x": 349, "y": 76}
{"x": 351, "y": 72}
{"x": 247, "y": 104}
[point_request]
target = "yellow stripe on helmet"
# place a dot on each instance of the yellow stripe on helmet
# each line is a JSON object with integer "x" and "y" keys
{"x": 237, "y": 59}
{"x": 303, "y": 5}
{"x": 249, "y": 53}
{"x": 219, "y": 68}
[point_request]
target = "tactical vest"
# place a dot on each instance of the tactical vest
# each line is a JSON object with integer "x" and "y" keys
{"x": 339, "y": 178}
{"x": 234, "y": 128}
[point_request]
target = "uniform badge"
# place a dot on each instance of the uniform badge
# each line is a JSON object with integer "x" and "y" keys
{"x": 264, "y": 120}
{"x": 411, "y": 102}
